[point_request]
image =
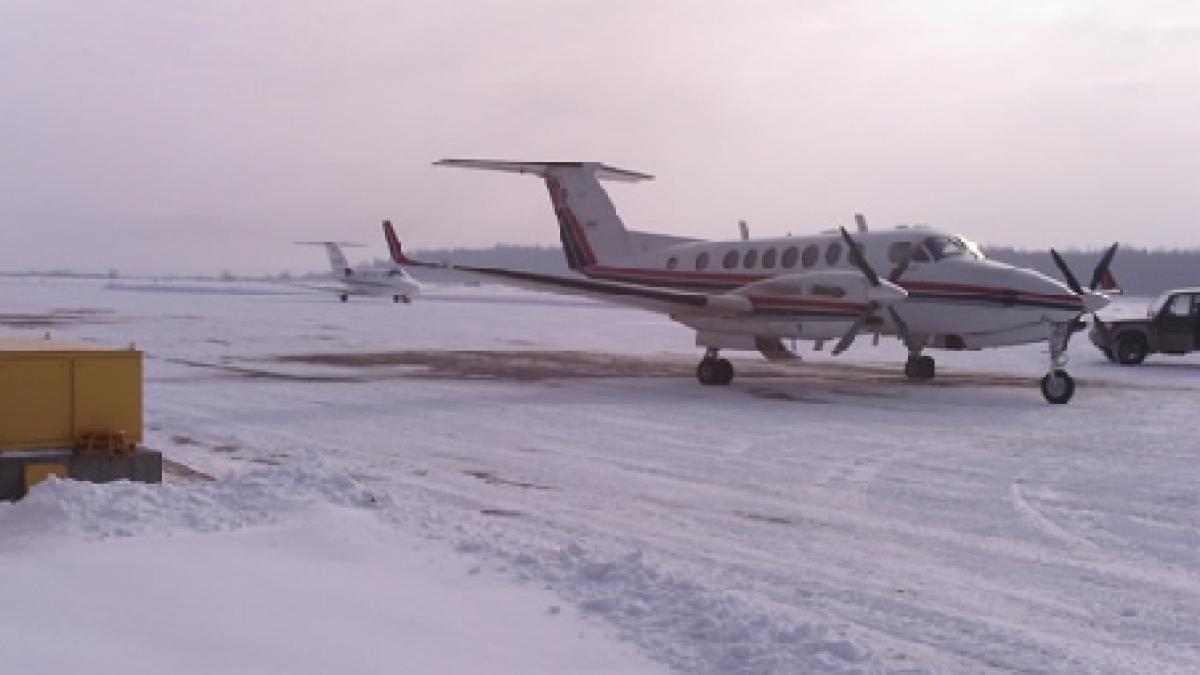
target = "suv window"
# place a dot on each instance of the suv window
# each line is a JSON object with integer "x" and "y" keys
{"x": 1181, "y": 305}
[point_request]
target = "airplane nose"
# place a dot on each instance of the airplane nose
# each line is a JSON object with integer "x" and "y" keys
{"x": 1094, "y": 302}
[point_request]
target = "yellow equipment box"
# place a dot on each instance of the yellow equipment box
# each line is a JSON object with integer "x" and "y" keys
{"x": 52, "y": 394}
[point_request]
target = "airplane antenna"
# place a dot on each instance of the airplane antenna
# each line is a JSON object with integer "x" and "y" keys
{"x": 861, "y": 221}
{"x": 744, "y": 229}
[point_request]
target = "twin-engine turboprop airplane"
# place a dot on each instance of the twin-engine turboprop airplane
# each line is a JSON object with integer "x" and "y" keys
{"x": 392, "y": 280}
{"x": 939, "y": 290}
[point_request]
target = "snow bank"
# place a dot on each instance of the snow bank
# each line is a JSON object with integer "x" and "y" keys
{"x": 280, "y": 569}
{"x": 123, "y": 508}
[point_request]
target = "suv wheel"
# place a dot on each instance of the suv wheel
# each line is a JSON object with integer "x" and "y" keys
{"x": 1131, "y": 349}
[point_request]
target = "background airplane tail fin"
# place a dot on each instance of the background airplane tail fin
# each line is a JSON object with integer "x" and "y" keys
{"x": 588, "y": 225}
{"x": 337, "y": 260}
{"x": 393, "y": 243}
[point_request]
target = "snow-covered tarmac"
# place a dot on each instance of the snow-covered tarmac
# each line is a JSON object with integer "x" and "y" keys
{"x": 824, "y": 516}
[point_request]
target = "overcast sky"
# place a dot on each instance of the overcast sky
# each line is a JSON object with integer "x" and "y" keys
{"x": 196, "y": 135}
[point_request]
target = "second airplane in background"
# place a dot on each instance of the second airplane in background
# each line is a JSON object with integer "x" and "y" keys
{"x": 390, "y": 280}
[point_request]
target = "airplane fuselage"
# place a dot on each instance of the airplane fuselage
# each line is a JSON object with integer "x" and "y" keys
{"x": 807, "y": 287}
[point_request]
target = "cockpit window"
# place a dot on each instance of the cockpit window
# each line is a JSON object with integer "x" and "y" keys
{"x": 941, "y": 247}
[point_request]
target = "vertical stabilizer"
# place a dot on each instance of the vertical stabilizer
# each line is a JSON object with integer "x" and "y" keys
{"x": 590, "y": 229}
{"x": 337, "y": 261}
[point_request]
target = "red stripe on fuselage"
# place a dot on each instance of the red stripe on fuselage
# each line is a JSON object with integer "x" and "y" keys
{"x": 632, "y": 275}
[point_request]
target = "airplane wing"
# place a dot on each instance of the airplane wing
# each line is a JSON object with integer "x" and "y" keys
{"x": 327, "y": 289}
{"x": 661, "y": 300}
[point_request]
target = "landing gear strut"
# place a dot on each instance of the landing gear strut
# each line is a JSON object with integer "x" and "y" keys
{"x": 1057, "y": 385}
{"x": 714, "y": 370}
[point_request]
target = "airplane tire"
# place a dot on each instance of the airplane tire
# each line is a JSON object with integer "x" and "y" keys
{"x": 395, "y": 298}
{"x": 709, "y": 372}
{"x": 920, "y": 368}
{"x": 724, "y": 371}
{"x": 1058, "y": 387}
{"x": 344, "y": 297}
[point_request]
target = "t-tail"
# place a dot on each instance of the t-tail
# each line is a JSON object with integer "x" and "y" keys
{"x": 337, "y": 260}
{"x": 592, "y": 233}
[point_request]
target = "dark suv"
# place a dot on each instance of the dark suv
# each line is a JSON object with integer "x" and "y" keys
{"x": 1172, "y": 327}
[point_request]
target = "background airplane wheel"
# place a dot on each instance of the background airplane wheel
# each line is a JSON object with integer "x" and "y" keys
{"x": 1058, "y": 386}
{"x": 344, "y": 297}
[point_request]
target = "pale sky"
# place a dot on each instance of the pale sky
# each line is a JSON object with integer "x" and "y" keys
{"x": 198, "y": 135}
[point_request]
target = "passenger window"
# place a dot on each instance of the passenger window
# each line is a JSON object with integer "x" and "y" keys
{"x": 768, "y": 260}
{"x": 730, "y": 260}
{"x": 827, "y": 291}
{"x": 750, "y": 258}
{"x": 833, "y": 253}
{"x": 811, "y": 253}
{"x": 702, "y": 261}
{"x": 672, "y": 262}
{"x": 790, "y": 255}
{"x": 899, "y": 252}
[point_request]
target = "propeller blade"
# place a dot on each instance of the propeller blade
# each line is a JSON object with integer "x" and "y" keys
{"x": 848, "y": 338}
{"x": 856, "y": 257}
{"x": 901, "y": 328}
{"x": 1102, "y": 266}
{"x": 1072, "y": 282}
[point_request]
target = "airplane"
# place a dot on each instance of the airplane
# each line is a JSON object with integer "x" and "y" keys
{"x": 393, "y": 280}
{"x": 939, "y": 291}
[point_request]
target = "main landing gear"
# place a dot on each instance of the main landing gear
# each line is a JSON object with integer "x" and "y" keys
{"x": 714, "y": 370}
{"x": 401, "y": 298}
{"x": 919, "y": 367}
{"x": 1057, "y": 385}
{"x": 344, "y": 297}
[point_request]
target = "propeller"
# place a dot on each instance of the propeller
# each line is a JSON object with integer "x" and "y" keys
{"x": 892, "y": 294}
{"x": 1098, "y": 275}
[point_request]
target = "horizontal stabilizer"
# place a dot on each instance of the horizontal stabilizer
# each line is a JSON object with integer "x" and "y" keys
{"x": 600, "y": 171}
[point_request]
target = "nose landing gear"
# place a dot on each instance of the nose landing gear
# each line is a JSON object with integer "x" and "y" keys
{"x": 714, "y": 370}
{"x": 1057, "y": 386}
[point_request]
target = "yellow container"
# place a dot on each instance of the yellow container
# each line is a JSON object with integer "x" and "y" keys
{"x": 52, "y": 393}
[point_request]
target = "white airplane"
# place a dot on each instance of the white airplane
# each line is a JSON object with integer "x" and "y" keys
{"x": 940, "y": 292}
{"x": 392, "y": 280}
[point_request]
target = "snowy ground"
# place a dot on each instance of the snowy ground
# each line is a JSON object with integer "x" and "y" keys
{"x": 454, "y": 474}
